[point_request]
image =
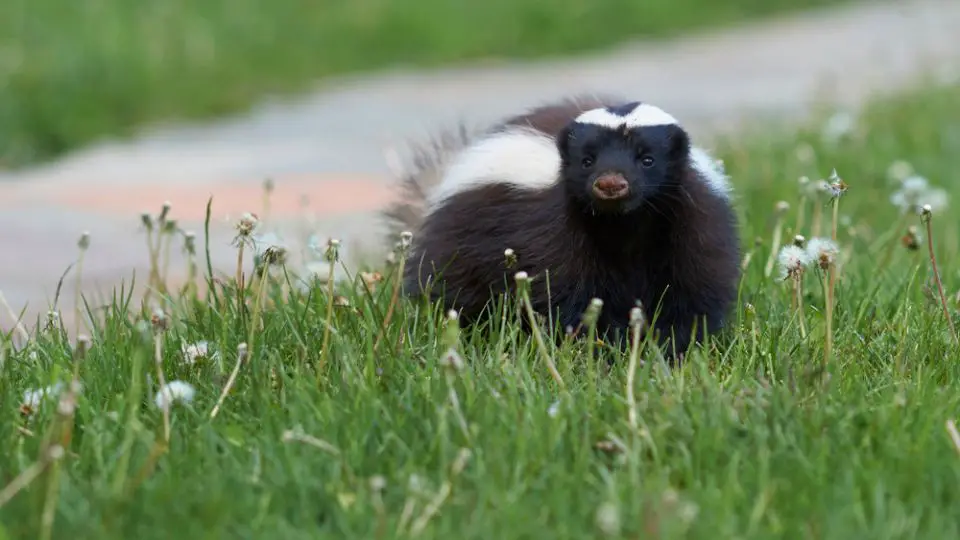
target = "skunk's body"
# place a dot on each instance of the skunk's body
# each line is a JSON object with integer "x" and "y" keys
{"x": 610, "y": 198}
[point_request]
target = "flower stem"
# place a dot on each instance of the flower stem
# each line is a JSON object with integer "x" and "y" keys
{"x": 936, "y": 276}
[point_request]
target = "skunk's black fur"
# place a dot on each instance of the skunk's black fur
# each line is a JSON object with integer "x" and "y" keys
{"x": 673, "y": 245}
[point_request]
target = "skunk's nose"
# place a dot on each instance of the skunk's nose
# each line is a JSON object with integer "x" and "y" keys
{"x": 610, "y": 186}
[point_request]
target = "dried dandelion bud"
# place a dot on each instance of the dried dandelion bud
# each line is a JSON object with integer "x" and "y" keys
{"x": 782, "y": 208}
{"x": 147, "y": 221}
{"x": 55, "y": 452}
{"x": 84, "y": 241}
{"x": 406, "y": 238}
{"x": 799, "y": 240}
{"x": 53, "y": 320}
{"x": 159, "y": 320}
{"x": 636, "y": 317}
{"x": 452, "y": 360}
{"x": 911, "y": 239}
{"x": 510, "y": 258}
{"x": 268, "y": 185}
{"x": 247, "y": 224}
{"x": 332, "y": 253}
{"x": 190, "y": 242}
{"x": 607, "y": 519}
{"x": 164, "y": 210}
{"x": 170, "y": 227}
{"x": 275, "y": 256}
{"x": 521, "y": 277}
{"x": 926, "y": 211}
{"x": 837, "y": 186}
{"x": 593, "y": 311}
{"x": 378, "y": 483}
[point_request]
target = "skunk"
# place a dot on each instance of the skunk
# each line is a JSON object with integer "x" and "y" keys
{"x": 606, "y": 198}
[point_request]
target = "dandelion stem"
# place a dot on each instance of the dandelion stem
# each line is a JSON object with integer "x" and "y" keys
{"x": 329, "y": 321}
{"x": 158, "y": 357}
{"x": 828, "y": 343}
{"x": 16, "y": 320}
{"x": 78, "y": 299}
{"x": 888, "y": 254}
{"x": 240, "y": 277}
{"x": 53, "y": 491}
{"x": 775, "y": 247}
{"x": 394, "y": 297}
{"x": 23, "y": 480}
{"x": 936, "y": 275}
{"x": 836, "y": 217}
{"x": 421, "y": 523}
{"x": 241, "y": 354}
{"x": 801, "y": 213}
{"x": 632, "y": 371}
{"x": 798, "y": 303}
{"x": 528, "y": 307}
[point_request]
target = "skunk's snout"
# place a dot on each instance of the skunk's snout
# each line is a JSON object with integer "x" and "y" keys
{"x": 610, "y": 186}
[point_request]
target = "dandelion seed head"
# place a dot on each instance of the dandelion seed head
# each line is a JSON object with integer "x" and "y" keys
{"x": 173, "y": 392}
{"x": 899, "y": 170}
{"x": 554, "y": 409}
{"x": 378, "y": 483}
{"x": 608, "y": 519}
{"x": 915, "y": 192}
{"x": 823, "y": 251}
{"x": 193, "y": 351}
{"x": 838, "y": 126}
{"x": 792, "y": 260}
{"x": 247, "y": 224}
{"x": 55, "y": 452}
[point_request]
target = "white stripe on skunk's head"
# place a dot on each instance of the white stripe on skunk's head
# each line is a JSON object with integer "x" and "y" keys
{"x": 520, "y": 157}
{"x": 622, "y": 151}
{"x": 630, "y": 115}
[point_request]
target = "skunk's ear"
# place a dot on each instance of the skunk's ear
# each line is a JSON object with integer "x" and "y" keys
{"x": 564, "y": 137}
{"x": 678, "y": 142}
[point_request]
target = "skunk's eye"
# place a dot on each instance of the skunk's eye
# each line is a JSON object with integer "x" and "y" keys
{"x": 587, "y": 162}
{"x": 647, "y": 160}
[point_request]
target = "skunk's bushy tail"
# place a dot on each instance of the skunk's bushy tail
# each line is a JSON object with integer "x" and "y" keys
{"x": 422, "y": 175}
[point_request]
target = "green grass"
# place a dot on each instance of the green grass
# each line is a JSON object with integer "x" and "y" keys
{"x": 743, "y": 441}
{"x": 72, "y": 73}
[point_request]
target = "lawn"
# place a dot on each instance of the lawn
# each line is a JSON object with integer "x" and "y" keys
{"x": 72, "y": 73}
{"x": 358, "y": 432}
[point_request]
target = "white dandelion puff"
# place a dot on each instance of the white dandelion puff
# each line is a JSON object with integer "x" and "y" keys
{"x": 916, "y": 191}
{"x": 823, "y": 251}
{"x": 33, "y": 397}
{"x": 792, "y": 260}
{"x": 173, "y": 392}
{"x": 194, "y": 351}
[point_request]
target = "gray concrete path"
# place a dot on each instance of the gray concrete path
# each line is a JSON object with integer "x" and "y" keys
{"x": 330, "y": 145}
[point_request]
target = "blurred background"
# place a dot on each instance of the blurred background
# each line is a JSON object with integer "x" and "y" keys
{"x": 108, "y": 108}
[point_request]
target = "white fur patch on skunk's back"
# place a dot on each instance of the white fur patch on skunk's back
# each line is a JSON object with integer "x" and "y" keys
{"x": 710, "y": 170}
{"x": 521, "y": 157}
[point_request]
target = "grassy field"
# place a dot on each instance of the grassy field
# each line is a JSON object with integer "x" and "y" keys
{"x": 362, "y": 433}
{"x": 73, "y": 73}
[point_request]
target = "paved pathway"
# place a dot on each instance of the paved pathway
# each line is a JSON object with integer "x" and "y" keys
{"x": 330, "y": 145}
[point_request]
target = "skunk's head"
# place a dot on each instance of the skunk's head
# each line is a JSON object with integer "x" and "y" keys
{"x": 616, "y": 158}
